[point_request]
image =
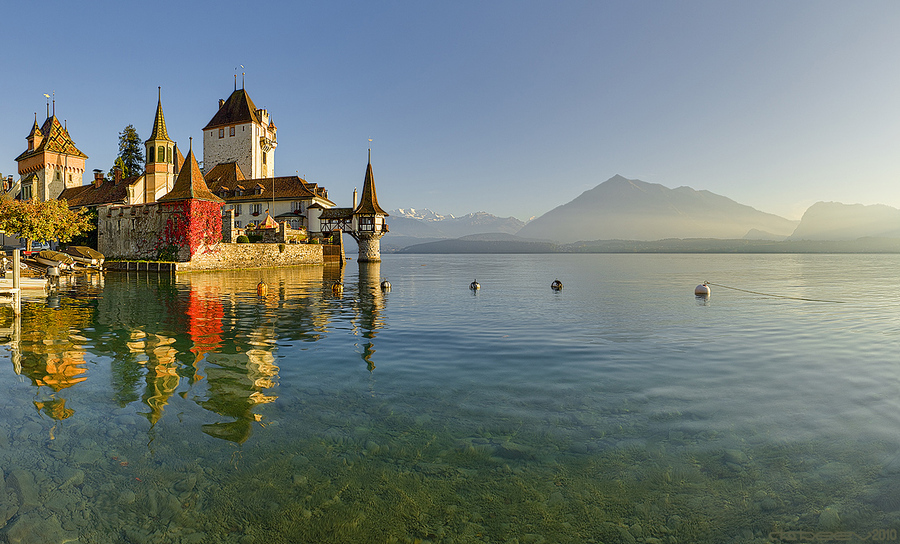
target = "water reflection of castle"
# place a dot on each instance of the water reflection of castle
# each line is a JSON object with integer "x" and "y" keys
{"x": 189, "y": 336}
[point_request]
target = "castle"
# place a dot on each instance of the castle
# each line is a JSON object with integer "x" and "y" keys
{"x": 239, "y": 144}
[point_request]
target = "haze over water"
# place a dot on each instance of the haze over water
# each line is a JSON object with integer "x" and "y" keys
{"x": 140, "y": 408}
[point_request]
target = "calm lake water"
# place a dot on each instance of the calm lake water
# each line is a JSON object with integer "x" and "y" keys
{"x": 150, "y": 409}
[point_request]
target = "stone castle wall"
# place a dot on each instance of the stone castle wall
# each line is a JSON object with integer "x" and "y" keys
{"x": 129, "y": 232}
{"x": 237, "y": 256}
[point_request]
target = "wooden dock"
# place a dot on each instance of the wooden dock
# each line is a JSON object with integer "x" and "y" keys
{"x": 12, "y": 296}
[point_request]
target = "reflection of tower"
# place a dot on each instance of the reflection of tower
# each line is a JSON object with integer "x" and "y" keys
{"x": 204, "y": 313}
{"x": 371, "y": 303}
{"x": 162, "y": 375}
{"x": 236, "y": 384}
{"x": 368, "y": 220}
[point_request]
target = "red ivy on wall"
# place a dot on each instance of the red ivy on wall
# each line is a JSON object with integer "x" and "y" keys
{"x": 190, "y": 226}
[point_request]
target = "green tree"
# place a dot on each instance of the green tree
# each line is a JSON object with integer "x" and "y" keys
{"x": 42, "y": 221}
{"x": 131, "y": 153}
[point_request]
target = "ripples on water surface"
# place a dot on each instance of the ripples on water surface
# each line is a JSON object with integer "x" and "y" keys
{"x": 147, "y": 409}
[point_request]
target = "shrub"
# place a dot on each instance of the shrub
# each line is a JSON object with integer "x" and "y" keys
{"x": 243, "y": 239}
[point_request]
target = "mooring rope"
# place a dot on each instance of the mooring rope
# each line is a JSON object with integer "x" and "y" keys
{"x": 773, "y": 295}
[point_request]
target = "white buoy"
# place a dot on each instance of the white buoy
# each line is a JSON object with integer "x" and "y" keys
{"x": 702, "y": 290}
{"x": 385, "y": 285}
{"x": 556, "y": 285}
{"x": 475, "y": 285}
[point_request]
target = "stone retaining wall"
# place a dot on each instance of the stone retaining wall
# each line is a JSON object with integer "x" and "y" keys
{"x": 236, "y": 256}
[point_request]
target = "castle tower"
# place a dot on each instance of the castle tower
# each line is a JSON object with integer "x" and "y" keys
{"x": 243, "y": 134}
{"x": 160, "y": 166}
{"x": 51, "y": 162}
{"x": 368, "y": 220}
{"x": 193, "y": 215}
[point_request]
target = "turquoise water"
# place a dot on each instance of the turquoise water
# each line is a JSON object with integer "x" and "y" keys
{"x": 139, "y": 408}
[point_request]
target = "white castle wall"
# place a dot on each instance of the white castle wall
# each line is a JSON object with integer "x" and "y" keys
{"x": 237, "y": 148}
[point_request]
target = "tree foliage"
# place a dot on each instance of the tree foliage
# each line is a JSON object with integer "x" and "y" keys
{"x": 42, "y": 221}
{"x": 131, "y": 153}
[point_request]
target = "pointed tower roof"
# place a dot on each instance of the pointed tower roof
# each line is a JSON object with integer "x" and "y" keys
{"x": 236, "y": 110}
{"x": 190, "y": 185}
{"x": 268, "y": 223}
{"x": 35, "y": 130}
{"x": 159, "y": 131}
{"x": 368, "y": 202}
{"x": 56, "y": 140}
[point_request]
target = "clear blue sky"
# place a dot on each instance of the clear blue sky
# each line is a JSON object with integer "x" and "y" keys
{"x": 507, "y": 107}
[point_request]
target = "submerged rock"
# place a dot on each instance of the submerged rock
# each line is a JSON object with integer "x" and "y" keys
{"x": 829, "y": 519}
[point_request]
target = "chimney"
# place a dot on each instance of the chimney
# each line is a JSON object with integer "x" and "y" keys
{"x": 354, "y": 198}
{"x": 117, "y": 175}
{"x": 98, "y": 178}
{"x": 221, "y": 102}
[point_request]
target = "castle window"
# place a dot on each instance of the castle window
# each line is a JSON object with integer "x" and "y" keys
{"x": 161, "y": 154}
{"x": 237, "y": 209}
{"x": 169, "y": 154}
{"x": 151, "y": 156}
{"x": 237, "y": 224}
{"x": 255, "y": 209}
{"x": 57, "y": 175}
{"x": 231, "y": 131}
{"x": 26, "y": 192}
{"x": 221, "y": 133}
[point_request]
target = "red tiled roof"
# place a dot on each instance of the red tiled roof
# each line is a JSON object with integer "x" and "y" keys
{"x": 285, "y": 187}
{"x": 236, "y": 110}
{"x": 98, "y": 195}
{"x": 56, "y": 139}
{"x": 226, "y": 173}
{"x": 189, "y": 184}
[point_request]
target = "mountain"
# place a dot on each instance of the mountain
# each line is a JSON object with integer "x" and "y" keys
{"x": 836, "y": 221}
{"x": 422, "y": 214}
{"x": 628, "y": 209}
{"x": 412, "y": 223}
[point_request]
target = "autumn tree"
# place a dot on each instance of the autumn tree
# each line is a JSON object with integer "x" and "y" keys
{"x": 42, "y": 221}
{"x": 131, "y": 153}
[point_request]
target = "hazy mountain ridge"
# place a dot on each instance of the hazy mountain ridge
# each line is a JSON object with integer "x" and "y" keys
{"x": 840, "y": 222}
{"x": 631, "y": 215}
{"x": 630, "y": 209}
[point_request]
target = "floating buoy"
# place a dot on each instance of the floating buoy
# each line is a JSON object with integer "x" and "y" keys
{"x": 556, "y": 285}
{"x": 702, "y": 290}
{"x": 337, "y": 288}
{"x": 385, "y": 285}
{"x": 475, "y": 285}
{"x": 262, "y": 288}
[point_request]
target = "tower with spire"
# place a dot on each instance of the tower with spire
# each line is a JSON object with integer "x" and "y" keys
{"x": 192, "y": 214}
{"x": 368, "y": 220}
{"x": 241, "y": 133}
{"x": 159, "y": 172}
{"x": 51, "y": 163}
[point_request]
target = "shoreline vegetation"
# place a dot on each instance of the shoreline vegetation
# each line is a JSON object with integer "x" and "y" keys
{"x": 673, "y": 245}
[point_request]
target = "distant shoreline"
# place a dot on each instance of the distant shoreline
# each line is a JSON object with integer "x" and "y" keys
{"x": 697, "y": 245}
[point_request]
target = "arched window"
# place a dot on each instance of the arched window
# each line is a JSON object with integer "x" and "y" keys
{"x": 169, "y": 155}
{"x": 161, "y": 154}
{"x": 151, "y": 155}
